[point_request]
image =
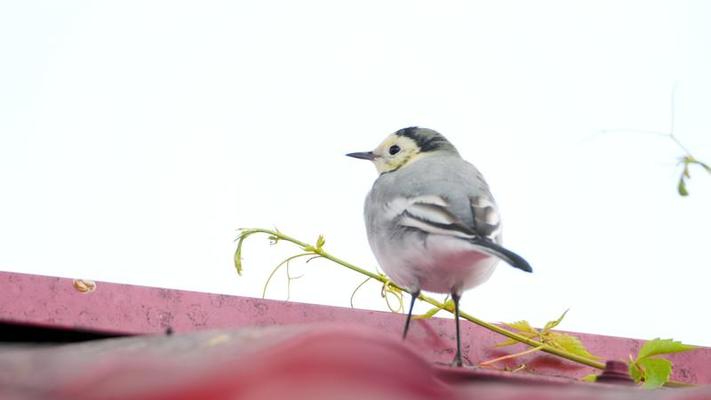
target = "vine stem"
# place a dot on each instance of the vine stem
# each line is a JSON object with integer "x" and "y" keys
{"x": 533, "y": 343}
{"x": 381, "y": 278}
{"x": 508, "y": 356}
{"x": 274, "y": 271}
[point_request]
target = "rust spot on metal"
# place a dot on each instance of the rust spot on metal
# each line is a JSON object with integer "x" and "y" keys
{"x": 217, "y": 340}
{"x": 84, "y": 285}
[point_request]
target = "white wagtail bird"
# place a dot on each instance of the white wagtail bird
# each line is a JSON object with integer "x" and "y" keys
{"x": 431, "y": 221}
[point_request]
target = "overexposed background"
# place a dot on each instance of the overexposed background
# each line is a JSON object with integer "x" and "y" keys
{"x": 135, "y": 137}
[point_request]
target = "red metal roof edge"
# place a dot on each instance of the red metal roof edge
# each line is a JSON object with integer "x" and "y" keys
{"x": 130, "y": 309}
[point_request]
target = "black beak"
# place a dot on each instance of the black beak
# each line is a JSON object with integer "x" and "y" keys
{"x": 365, "y": 155}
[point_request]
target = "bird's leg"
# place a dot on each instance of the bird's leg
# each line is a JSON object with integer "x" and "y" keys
{"x": 458, "y": 355}
{"x": 409, "y": 313}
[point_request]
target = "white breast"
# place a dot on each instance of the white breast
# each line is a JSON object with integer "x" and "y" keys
{"x": 439, "y": 263}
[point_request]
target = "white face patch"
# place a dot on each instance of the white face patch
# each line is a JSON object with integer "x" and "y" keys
{"x": 394, "y": 152}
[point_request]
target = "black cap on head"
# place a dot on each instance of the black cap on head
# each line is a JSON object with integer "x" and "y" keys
{"x": 427, "y": 139}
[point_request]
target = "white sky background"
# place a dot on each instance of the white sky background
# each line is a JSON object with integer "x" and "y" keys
{"x": 135, "y": 137}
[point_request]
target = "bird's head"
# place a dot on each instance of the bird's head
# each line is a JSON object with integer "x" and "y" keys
{"x": 405, "y": 146}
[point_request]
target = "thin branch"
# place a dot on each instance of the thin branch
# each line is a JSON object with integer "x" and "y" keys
{"x": 389, "y": 287}
{"x": 681, "y": 146}
{"x": 271, "y": 275}
{"x": 672, "y": 122}
{"x": 289, "y": 279}
{"x": 360, "y": 285}
{"x": 508, "y": 356}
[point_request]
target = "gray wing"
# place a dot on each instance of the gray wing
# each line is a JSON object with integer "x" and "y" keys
{"x": 446, "y": 196}
{"x": 442, "y": 196}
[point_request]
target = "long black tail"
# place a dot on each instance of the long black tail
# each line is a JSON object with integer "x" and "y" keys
{"x": 508, "y": 256}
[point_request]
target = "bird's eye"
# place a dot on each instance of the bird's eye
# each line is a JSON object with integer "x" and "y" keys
{"x": 394, "y": 149}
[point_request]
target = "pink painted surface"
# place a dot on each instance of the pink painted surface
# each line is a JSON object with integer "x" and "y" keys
{"x": 318, "y": 361}
{"x": 117, "y": 308}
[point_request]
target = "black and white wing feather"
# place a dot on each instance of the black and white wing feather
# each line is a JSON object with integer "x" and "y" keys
{"x": 432, "y": 215}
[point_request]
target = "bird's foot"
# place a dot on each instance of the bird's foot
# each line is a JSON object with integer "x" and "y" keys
{"x": 457, "y": 362}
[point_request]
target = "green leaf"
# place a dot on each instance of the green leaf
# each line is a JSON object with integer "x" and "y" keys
{"x": 521, "y": 326}
{"x": 656, "y": 372}
{"x": 682, "y": 187}
{"x": 570, "y": 344}
{"x": 662, "y": 346}
{"x": 635, "y": 371}
{"x": 238, "y": 256}
{"x": 589, "y": 378}
{"x": 320, "y": 242}
{"x": 552, "y": 324}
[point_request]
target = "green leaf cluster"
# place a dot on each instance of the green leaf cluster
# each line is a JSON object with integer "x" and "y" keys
{"x": 558, "y": 340}
{"x": 320, "y": 241}
{"x": 650, "y": 369}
